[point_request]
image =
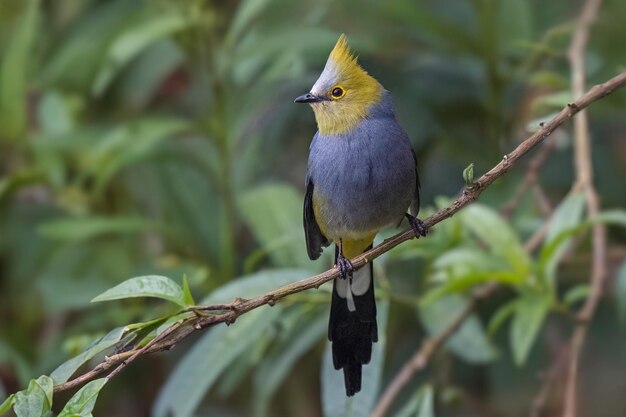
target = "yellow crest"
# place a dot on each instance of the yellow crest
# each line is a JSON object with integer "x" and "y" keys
{"x": 342, "y": 55}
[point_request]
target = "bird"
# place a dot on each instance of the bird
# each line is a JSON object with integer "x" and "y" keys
{"x": 361, "y": 177}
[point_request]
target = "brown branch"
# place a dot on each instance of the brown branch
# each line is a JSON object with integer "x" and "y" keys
{"x": 557, "y": 368}
{"x": 230, "y": 312}
{"x": 542, "y": 200}
{"x": 138, "y": 352}
{"x": 584, "y": 182}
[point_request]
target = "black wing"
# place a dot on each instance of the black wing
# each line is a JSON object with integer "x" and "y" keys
{"x": 415, "y": 204}
{"x": 315, "y": 240}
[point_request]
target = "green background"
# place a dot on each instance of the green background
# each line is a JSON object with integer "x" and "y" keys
{"x": 161, "y": 137}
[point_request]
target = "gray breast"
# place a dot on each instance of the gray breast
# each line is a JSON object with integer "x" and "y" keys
{"x": 364, "y": 179}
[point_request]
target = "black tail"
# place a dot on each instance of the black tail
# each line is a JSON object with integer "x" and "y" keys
{"x": 352, "y": 333}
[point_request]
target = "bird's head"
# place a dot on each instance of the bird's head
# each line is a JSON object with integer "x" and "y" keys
{"x": 343, "y": 94}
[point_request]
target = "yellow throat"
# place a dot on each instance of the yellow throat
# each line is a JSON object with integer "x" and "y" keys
{"x": 339, "y": 114}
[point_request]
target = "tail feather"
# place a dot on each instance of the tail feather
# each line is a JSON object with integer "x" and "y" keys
{"x": 352, "y": 331}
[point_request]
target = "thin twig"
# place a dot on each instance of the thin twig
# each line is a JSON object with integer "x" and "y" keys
{"x": 556, "y": 371}
{"x": 542, "y": 200}
{"x": 530, "y": 179}
{"x": 421, "y": 358}
{"x": 584, "y": 181}
{"x": 230, "y": 312}
{"x": 557, "y": 368}
{"x": 170, "y": 330}
{"x": 535, "y": 240}
{"x": 215, "y": 307}
{"x": 108, "y": 363}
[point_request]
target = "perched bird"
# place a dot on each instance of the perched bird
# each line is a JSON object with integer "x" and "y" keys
{"x": 361, "y": 177}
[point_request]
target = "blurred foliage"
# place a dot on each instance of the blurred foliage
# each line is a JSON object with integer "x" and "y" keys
{"x": 159, "y": 138}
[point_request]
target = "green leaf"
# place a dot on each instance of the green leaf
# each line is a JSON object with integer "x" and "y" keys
{"x": 620, "y": 291}
{"x": 576, "y": 294}
{"x": 427, "y": 403}
{"x": 249, "y": 60}
{"x": 187, "y": 297}
{"x": 466, "y": 282}
{"x": 143, "y": 333}
{"x": 238, "y": 371}
{"x": 139, "y": 334}
{"x": 530, "y": 312}
{"x": 134, "y": 39}
{"x": 176, "y": 318}
{"x": 22, "y": 366}
{"x": 18, "y": 179}
{"x": 62, "y": 373}
{"x": 469, "y": 342}
{"x": 461, "y": 268}
{"x": 556, "y": 100}
{"x": 246, "y": 12}
{"x": 335, "y": 403}
{"x": 196, "y": 217}
{"x": 459, "y": 262}
{"x": 550, "y": 79}
{"x": 422, "y": 404}
{"x": 7, "y": 404}
{"x": 15, "y": 73}
{"x": 301, "y": 333}
{"x": 81, "y": 404}
{"x": 500, "y": 316}
{"x": 78, "y": 54}
{"x": 274, "y": 215}
{"x": 610, "y": 217}
{"x": 36, "y": 400}
{"x": 83, "y": 228}
{"x": 199, "y": 369}
{"x": 147, "y": 324}
{"x": 566, "y": 216}
{"x": 468, "y": 176}
{"x": 143, "y": 79}
{"x": 156, "y": 286}
{"x": 514, "y": 21}
{"x": 54, "y": 115}
{"x": 497, "y": 235}
{"x": 554, "y": 248}
{"x": 453, "y": 36}
{"x": 127, "y": 144}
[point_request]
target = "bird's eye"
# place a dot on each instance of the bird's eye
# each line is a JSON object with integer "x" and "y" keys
{"x": 337, "y": 92}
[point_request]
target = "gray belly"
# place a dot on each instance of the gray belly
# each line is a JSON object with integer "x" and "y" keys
{"x": 362, "y": 182}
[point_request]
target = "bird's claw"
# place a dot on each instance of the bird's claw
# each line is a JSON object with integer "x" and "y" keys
{"x": 345, "y": 267}
{"x": 419, "y": 228}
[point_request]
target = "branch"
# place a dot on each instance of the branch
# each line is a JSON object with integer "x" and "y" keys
{"x": 584, "y": 171}
{"x": 230, "y": 312}
{"x": 550, "y": 381}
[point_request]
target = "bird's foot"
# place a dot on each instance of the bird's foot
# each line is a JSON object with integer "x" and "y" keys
{"x": 418, "y": 226}
{"x": 345, "y": 266}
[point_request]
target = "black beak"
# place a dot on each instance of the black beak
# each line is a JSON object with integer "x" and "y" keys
{"x": 309, "y": 98}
